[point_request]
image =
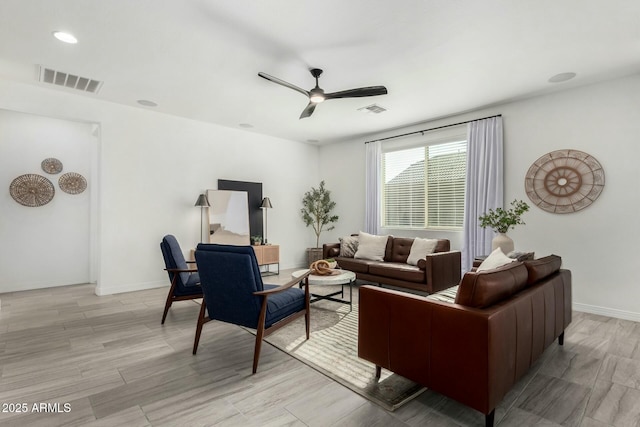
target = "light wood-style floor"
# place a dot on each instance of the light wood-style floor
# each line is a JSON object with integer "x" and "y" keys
{"x": 112, "y": 363}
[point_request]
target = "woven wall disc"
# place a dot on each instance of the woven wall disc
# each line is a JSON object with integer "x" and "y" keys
{"x": 72, "y": 183}
{"x": 564, "y": 181}
{"x": 31, "y": 190}
{"x": 51, "y": 165}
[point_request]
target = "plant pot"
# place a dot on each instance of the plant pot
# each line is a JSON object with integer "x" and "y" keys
{"x": 502, "y": 241}
{"x": 313, "y": 254}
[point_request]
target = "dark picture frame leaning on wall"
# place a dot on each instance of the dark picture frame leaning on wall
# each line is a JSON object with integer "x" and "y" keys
{"x": 254, "y": 191}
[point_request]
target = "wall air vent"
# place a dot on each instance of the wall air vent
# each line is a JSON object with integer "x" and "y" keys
{"x": 372, "y": 109}
{"x": 59, "y": 78}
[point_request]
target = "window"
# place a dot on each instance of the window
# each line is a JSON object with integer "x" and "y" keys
{"x": 424, "y": 186}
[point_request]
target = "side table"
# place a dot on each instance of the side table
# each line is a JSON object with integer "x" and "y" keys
{"x": 267, "y": 255}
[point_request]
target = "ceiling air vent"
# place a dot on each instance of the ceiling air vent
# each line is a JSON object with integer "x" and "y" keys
{"x": 59, "y": 78}
{"x": 372, "y": 109}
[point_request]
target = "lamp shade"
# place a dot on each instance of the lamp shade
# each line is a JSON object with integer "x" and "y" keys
{"x": 202, "y": 201}
{"x": 266, "y": 203}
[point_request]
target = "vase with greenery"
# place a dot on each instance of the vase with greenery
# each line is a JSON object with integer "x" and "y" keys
{"x": 502, "y": 220}
{"x": 316, "y": 212}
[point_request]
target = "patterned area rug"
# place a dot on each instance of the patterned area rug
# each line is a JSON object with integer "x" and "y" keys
{"x": 332, "y": 349}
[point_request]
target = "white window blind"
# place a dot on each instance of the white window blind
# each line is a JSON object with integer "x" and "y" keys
{"x": 424, "y": 186}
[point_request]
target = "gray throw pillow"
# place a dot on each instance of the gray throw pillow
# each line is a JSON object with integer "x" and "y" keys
{"x": 348, "y": 246}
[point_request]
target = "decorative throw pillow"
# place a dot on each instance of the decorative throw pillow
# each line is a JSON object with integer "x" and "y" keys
{"x": 420, "y": 249}
{"x": 496, "y": 259}
{"x": 521, "y": 256}
{"x": 348, "y": 246}
{"x": 371, "y": 247}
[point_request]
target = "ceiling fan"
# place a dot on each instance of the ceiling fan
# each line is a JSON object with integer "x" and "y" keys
{"x": 317, "y": 95}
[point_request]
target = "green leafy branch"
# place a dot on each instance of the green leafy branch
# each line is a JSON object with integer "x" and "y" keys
{"x": 501, "y": 220}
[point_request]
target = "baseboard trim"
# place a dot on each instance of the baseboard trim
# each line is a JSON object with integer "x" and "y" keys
{"x": 131, "y": 287}
{"x": 604, "y": 311}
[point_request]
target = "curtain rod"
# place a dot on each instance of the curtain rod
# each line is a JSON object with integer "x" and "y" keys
{"x": 428, "y": 130}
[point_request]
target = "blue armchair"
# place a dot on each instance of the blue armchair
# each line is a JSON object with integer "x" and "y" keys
{"x": 185, "y": 281}
{"x": 234, "y": 293}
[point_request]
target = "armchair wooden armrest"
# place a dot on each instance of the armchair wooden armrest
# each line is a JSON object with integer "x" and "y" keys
{"x": 180, "y": 270}
{"x": 287, "y": 285}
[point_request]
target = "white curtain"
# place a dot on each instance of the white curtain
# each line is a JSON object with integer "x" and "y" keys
{"x": 372, "y": 187}
{"x": 484, "y": 189}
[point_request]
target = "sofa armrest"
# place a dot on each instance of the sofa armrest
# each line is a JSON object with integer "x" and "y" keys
{"x": 445, "y": 347}
{"x": 443, "y": 270}
{"x": 442, "y": 346}
{"x": 330, "y": 250}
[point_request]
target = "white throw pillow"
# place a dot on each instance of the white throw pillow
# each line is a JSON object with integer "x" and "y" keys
{"x": 496, "y": 259}
{"x": 420, "y": 249}
{"x": 371, "y": 247}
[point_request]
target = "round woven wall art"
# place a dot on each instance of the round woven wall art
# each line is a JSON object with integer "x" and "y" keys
{"x": 51, "y": 165}
{"x": 72, "y": 183}
{"x": 564, "y": 181}
{"x": 31, "y": 190}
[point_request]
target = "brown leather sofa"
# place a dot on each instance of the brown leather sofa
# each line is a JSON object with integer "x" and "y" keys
{"x": 436, "y": 272}
{"x": 474, "y": 349}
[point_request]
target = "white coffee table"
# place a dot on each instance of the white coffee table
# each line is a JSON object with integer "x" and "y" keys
{"x": 343, "y": 278}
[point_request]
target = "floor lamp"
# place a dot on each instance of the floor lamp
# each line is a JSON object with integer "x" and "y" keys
{"x": 266, "y": 204}
{"x": 202, "y": 202}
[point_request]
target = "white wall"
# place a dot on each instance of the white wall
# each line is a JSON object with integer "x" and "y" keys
{"x": 599, "y": 243}
{"x": 47, "y": 245}
{"x": 153, "y": 166}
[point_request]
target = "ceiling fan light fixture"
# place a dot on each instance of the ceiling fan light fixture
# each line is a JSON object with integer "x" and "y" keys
{"x": 316, "y": 95}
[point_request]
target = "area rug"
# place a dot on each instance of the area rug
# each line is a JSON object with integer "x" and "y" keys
{"x": 332, "y": 349}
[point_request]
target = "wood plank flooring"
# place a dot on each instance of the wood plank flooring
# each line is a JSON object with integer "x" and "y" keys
{"x": 111, "y": 363}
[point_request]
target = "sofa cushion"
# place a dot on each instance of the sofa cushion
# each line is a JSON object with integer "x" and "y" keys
{"x": 371, "y": 247}
{"x": 398, "y": 250}
{"x": 496, "y": 259}
{"x": 397, "y": 270}
{"x": 348, "y": 246}
{"x": 485, "y": 288}
{"x": 355, "y": 265}
{"x": 420, "y": 249}
{"x": 444, "y": 245}
{"x": 543, "y": 267}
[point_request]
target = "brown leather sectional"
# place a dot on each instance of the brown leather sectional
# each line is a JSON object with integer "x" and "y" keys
{"x": 476, "y": 349}
{"x": 436, "y": 272}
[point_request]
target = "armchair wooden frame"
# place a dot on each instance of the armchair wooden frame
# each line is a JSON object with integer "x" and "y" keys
{"x": 171, "y": 297}
{"x": 261, "y": 331}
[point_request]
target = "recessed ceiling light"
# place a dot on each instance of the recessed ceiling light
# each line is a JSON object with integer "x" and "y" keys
{"x": 562, "y": 77}
{"x": 147, "y": 103}
{"x": 245, "y": 125}
{"x": 65, "y": 37}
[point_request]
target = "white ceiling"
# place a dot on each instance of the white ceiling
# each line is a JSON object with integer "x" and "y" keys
{"x": 200, "y": 58}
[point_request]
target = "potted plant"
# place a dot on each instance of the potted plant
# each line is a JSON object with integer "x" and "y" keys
{"x": 256, "y": 240}
{"x": 501, "y": 221}
{"x": 316, "y": 212}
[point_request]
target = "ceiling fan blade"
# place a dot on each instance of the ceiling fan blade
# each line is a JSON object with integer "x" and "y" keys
{"x": 309, "y": 110}
{"x": 283, "y": 83}
{"x": 358, "y": 93}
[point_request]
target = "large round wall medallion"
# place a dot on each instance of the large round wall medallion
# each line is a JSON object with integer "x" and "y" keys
{"x": 31, "y": 190}
{"x": 51, "y": 165}
{"x": 564, "y": 181}
{"x": 72, "y": 183}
